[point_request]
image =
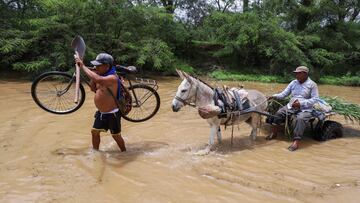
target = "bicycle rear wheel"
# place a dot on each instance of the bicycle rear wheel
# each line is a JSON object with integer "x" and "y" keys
{"x": 55, "y": 92}
{"x": 145, "y": 103}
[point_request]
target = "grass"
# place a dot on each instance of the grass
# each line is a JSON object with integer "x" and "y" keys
{"x": 348, "y": 110}
{"x": 345, "y": 80}
{"x": 225, "y": 75}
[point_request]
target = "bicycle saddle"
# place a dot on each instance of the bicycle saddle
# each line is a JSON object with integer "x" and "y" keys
{"x": 124, "y": 69}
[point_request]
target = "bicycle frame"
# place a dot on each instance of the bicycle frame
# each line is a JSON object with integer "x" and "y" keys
{"x": 153, "y": 84}
{"x": 74, "y": 78}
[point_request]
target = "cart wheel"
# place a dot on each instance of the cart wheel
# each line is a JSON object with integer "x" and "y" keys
{"x": 331, "y": 130}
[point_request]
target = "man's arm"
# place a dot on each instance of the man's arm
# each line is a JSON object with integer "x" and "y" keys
{"x": 284, "y": 93}
{"x": 105, "y": 81}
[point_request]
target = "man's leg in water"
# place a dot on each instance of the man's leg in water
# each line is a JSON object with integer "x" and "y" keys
{"x": 115, "y": 129}
{"x": 120, "y": 141}
{"x": 278, "y": 120}
{"x": 95, "y": 139}
{"x": 301, "y": 121}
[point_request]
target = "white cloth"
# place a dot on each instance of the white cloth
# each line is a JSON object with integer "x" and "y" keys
{"x": 242, "y": 93}
{"x": 113, "y": 111}
{"x": 110, "y": 112}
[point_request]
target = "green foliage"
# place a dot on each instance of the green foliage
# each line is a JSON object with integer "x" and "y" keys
{"x": 342, "y": 80}
{"x": 184, "y": 67}
{"x": 346, "y": 80}
{"x": 249, "y": 37}
{"x": 274, "y": 105}
{"x": 145, "y": 36}
{"x": 348, "y": 110}
{"x": 156, "y": 53}
{"x": 271, "y": 36}
{"x": 33, "y": 65}
{"x": 225, "y": 75}
{"x": 322, "y": 57}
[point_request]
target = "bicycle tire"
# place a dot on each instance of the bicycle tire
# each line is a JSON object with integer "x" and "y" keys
{"x": 145, "y": 94}
{"x": 49, "y": 92}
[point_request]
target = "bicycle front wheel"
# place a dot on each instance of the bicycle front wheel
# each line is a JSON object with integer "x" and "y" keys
{"x": 145, "y": 103}
{"x": 55, "y": 92}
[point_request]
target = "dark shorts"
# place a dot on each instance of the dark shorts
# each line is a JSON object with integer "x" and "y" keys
{"x": 108, "y": 121}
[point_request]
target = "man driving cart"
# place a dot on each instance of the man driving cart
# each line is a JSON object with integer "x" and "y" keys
{"x": 304, "y": 94}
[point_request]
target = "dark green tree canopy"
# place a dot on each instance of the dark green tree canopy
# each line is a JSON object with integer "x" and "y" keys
{"x": 268, "y": 36}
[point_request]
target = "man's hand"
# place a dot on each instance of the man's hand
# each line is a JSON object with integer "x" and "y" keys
{"x": 78, "y": 61}
{"x": 296, "y": 104}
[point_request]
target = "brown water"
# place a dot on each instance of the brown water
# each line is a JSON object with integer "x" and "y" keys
{"x": 48, "y": 158}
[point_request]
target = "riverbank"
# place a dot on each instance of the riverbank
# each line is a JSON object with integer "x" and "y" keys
{"x": 345, "y": 80}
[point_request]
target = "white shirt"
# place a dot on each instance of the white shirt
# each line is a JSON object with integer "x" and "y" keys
{"x": 306, "y": 93}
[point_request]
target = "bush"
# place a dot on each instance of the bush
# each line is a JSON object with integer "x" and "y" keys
{"x": 224, "y": 75}
{"x": 346, "y": 80}
{"x": 342, "y": 80}
{"x": 156, "y": 53}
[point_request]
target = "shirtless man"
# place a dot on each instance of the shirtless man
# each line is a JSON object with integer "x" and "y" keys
{"x": 107, "y": 117}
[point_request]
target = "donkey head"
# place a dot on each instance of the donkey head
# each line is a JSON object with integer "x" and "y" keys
{"x": 186, "y": 91}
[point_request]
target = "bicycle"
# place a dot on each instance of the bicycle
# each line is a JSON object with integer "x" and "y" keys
{"x": 62, "y": 93}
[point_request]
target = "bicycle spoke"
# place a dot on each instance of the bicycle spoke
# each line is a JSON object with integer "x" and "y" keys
{"x": 54, "y": 92}
{"x": 145, "y": 103}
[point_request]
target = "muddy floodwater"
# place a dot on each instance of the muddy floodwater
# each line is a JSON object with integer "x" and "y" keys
{"x": 48, "y": 158}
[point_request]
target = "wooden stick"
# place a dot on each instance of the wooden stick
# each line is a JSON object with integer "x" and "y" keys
{"x": 77, "y": 84}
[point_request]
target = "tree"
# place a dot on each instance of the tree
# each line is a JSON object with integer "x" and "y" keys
{"x": 269, "y": 35}
{"x": 169, "y": 5}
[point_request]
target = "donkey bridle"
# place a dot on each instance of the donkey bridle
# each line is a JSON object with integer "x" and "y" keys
{"x": 186, "y": 101}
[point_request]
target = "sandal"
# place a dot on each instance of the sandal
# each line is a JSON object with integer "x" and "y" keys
{"x": 292, "y": 147}
{"x": 271, "y": 136}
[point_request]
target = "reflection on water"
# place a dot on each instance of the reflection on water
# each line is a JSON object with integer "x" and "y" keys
{"x": 48, "y": 158}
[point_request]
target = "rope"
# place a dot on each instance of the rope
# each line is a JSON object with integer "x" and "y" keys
{"x": 232, "y": 134}
{"x": 287, "y": 128}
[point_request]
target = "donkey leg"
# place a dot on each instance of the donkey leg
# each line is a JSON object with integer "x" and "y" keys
{"x": 255, "y": 118}
{"x": 213, "y": 131}
{"x": 219, "y": 138}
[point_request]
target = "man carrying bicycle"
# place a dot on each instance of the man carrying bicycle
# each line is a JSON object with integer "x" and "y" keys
{"x": 105, "y": 84}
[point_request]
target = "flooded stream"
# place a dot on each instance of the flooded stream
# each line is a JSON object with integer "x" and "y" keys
{"x": 48, "y": 158}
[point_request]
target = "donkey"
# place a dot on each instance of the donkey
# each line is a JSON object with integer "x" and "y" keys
{"x": 193, "y": 90}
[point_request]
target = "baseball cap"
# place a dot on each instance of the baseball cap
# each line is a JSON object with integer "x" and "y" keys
{"x": 103, "y": 58}
{"x": 301, "y": 69}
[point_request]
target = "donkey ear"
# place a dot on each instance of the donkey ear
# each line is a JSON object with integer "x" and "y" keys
{"x": 188, "y": 77}
{"x": 185, "y": 74}
{"x": 180, "y": 73}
